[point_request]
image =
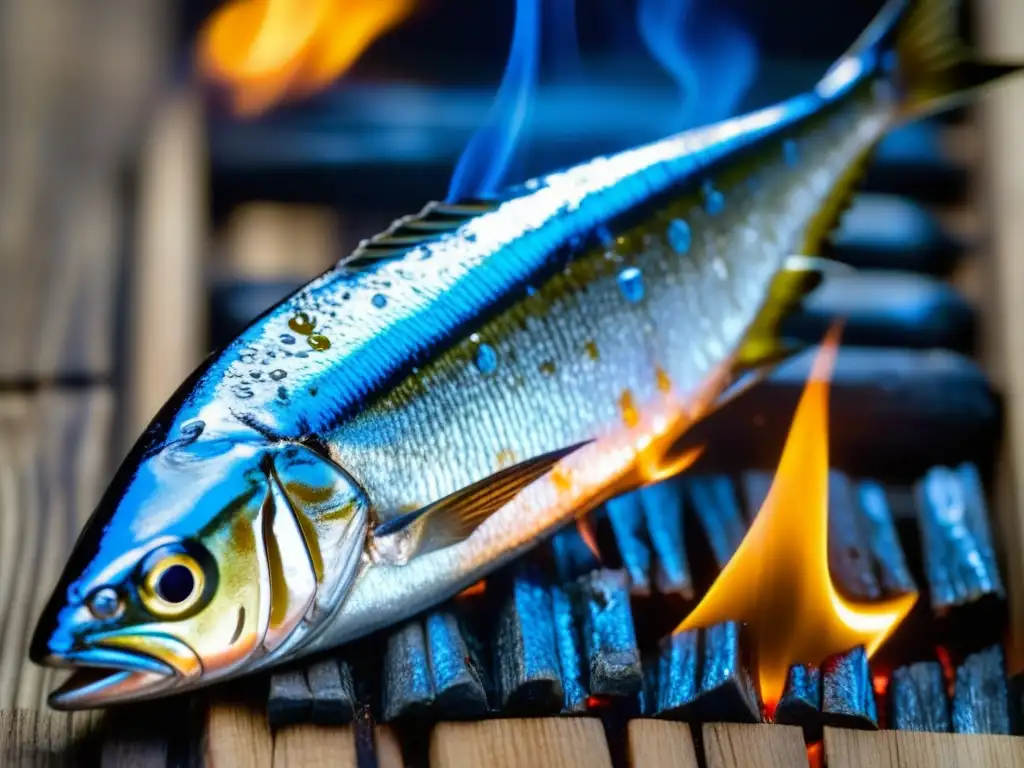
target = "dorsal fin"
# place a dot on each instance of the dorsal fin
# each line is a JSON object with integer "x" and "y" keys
{"x": 436, "y": 220}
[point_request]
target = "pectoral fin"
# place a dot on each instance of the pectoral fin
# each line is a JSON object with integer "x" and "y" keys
{"x": 455, "y": 517}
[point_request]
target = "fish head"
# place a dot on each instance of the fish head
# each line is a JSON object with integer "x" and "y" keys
{"x": 210, "y": 555}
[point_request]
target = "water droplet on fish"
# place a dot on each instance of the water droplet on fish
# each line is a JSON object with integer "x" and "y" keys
{"x": 790, "y": 152}
{"x": 256, "y": 374}
{"x": 470, "y": 237}
{"x": 679, "y": 236}
{"x": 302, "y": 354}
{"x": 631, "y": 283}
{"x": 592, "y": 351}
{"x": 486, "y": 359}
{"x": 474, "y": 338}
{"x": 714, "y": 201}
{"x": 346, "y": 296}
{"x": 302, "y": 323}
{"x": 548, "y": 367}
{"x": 287, "y": 338}
{"x": 319, "y": 342}
{"x": 282, "y": 394}
{"x": 277, "y": 374}
{"x": 627, "y": 407}
{"x": 379, "y": 300}
{"x": 243, "y": 391}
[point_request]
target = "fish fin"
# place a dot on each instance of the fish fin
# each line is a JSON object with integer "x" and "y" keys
{"x": 798, "y": 277}
{"x": 435, "y": 221}
{"x": 936, "y": 70}
{"x": 455, "y": 517}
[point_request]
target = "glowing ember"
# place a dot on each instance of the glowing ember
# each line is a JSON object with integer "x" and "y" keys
{"x": 473, "y": 590}
{"x": 586, "y": 531}
{"x": 265, "y": 51}
{"x": 778, "y": 581}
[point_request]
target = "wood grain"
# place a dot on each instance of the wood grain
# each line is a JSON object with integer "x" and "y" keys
{"x": 1000, "y": 30}
{"x": 539, "y": 743}
{"x": 237, "y": 736}
{"x": 314, "y": 746}
{"x": 660, "y": 744}
{"x": 729, "y": 745}
{"x": 912, "y": 749}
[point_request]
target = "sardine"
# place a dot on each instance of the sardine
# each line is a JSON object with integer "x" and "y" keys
{"x": 470, "y": 380}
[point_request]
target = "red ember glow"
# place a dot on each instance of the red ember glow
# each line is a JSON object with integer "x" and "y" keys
{"x": 778, "y": 582}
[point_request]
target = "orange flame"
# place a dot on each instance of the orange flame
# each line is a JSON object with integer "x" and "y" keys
{"x": 586, "y": 530}
{"x": 778, "y": 581}
{"x": 265, "y": 51}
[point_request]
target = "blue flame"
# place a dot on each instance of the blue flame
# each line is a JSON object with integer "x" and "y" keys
{"x": 481, "y": 169}
{"x": 711, "y": 58}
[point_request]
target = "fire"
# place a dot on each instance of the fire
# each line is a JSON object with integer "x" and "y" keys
{"x": 778, "y": 581}
{"x": 265, "y": 51}
{"x": 589, "y": 537}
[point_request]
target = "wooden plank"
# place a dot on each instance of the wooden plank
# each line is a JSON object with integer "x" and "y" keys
{"x": 912, "y": 749}
{"x": 237, "y": 735}
{"x": 660, "y": 744}
{"x": 1000, "y": 31}
{"x": 731, "y": 745}
{"x": 539, "y": 743}
{"x": 314, "y": 746}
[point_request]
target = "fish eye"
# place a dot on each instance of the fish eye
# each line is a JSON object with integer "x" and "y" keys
{"x": 173, "y": 583}
{"x": 105, "y": 603}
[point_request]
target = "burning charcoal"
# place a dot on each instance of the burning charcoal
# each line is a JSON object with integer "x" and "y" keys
{"x": 334, "y": 699}
{"x": 626, "y": 514}
{"x": 886, "y": 309}
{"x": 407, "y": 688}
{"x": 801, "y": 700}
{"x": 613, "y": 660}
{"x": 848, "y": 696}
{"x": 573, "y": 557}
{"x": 917, "y": 698}
{"x": 663, "y": 508}
{"x": 959, "y": 561}
{"x": 570, "y": 660}
{"x": 458, "y": 689}
{"x": 676, "y": 683}
{"x": 727, "y": 692}
{"x": 911, "y": 161}
{"x": 715, "y": 504}
{"x": 526, "y": 657}
{"x": 890, "y": 232}
{"x": 849, "y": 559}
{"x": 289, "y": 700}
{"x": 980, "y": 695}
{"x": 883, "y": 541}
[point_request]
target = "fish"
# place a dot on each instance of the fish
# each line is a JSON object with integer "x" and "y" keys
{"x": 472, "y": 379}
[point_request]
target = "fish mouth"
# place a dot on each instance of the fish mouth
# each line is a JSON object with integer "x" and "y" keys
{"x": 103, "y": 676}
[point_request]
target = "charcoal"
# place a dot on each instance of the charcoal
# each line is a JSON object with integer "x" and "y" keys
{"x": 626, "y": 514}
{"x": 571, "y": 554}
{"x": 407, "y": 689}
{"x": 677, "y": 683}
{"x": 882, "y": 231}
{"x": 917, "y": 698}
{"x": 980, "y": 694}
{"x": 849, "y": 559}
{"x": 609, "y": 641}
{"x": 756, "y": 484}
{"x": 458, "y": 688}
{"x": 959, "y": 561}
{"x": 289, "y": 700}
{"x": 526, "y": 656}
{"x": 727, "y": 693}
{"x": 847, "y": 692}
{"x": 800, "y": 703}
{"x": 334, "y": 699}
{"x": 663, "y": 509}
{"x": 886, "y": 309}
{"x": 570, "y": 653}
{"x": 911, "y": 161}
{"x": 932, "y": 407}
{"x": 716, "y": 507}
{"x": 883, "y": 541}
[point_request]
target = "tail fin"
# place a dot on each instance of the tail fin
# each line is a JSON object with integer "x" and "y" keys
{"x": 936, "y": 70}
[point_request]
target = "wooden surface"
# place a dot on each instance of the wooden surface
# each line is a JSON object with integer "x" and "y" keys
{"x": 660, "y": 744}
{"x": 728, "y": 745}
{"x": 907, "y": 749}
{"x": 539, "y": 743}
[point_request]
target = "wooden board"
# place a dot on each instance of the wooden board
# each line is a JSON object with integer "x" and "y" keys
{"x": 907, "y": 749}
{"x": 540, "y": 743}
{"x": 660, "y": 744}
{"x": 729, "y": 745}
